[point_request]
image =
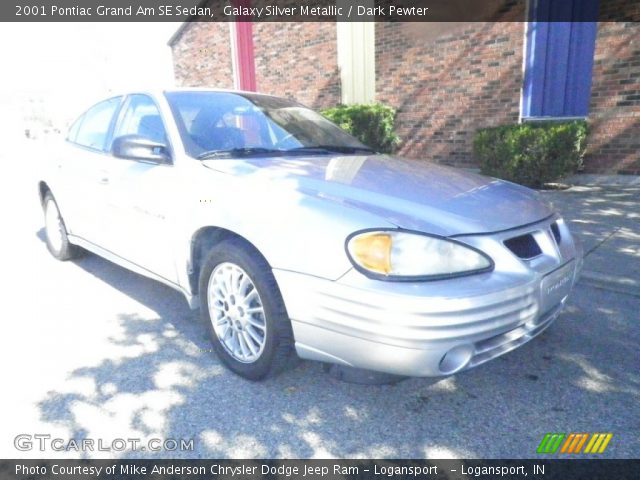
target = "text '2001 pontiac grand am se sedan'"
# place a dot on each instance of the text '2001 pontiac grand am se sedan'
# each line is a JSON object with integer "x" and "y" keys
{"x": 291, "y": 236}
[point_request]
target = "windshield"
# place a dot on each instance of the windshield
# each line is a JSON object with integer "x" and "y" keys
{"x": 223, "y": 123}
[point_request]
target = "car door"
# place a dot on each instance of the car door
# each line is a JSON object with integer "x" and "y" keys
{"x": 80, "y": 174}
{"x": 140, "y": 193}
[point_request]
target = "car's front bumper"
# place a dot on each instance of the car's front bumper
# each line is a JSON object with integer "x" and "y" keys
{"x": 432, "y": 328}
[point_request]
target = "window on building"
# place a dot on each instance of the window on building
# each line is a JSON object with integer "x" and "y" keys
{"x": 561, "y": 37}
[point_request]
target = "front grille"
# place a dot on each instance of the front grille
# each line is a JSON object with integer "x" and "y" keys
{"x": 524, "y": 246}
{"x": 555, "y": 230}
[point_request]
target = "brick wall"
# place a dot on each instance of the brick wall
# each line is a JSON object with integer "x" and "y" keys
{"x": 447, "y": 87}
{"x": 202, "y": 56}
{"x": 444, "y": 87}
{"x": 614, "y": 139}
{"x": 292, "y": 59}
{"x": 298, "y": 60}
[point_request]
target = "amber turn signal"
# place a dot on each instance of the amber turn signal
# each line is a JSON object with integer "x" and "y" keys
{"x": 373, "y": 251}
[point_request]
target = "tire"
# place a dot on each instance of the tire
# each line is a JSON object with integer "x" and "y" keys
{"x": 56, "y": 232}
{"x": 244, "y": 313}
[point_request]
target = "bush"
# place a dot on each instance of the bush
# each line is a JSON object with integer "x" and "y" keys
{"x": 372, "y": 124}
{"x": 531, "y": 154}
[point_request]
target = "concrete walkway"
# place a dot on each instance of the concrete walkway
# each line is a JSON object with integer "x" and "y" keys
{"x": 607, "y": 220}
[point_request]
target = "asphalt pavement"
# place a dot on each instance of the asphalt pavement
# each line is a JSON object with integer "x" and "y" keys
{"x": 93, "y": 351}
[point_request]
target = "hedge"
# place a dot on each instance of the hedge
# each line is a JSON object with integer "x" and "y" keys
{"x": 531, "y": 154}
{"x": 372, "y": 124}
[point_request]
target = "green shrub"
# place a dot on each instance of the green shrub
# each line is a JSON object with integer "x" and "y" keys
{"x": 372, "y": 124}
{"x": 531, "y": 154}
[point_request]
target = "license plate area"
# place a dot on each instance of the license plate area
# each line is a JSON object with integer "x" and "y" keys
{"x": 556, "y": 286}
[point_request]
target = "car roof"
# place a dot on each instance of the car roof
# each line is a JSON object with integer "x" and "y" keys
{"x": 159, "y": 91}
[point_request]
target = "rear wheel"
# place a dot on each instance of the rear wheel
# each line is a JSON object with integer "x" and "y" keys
{"x": 56, "y": 232}
{"x": 244, "y": 311}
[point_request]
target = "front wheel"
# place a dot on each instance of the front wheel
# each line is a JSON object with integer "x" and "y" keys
{"x": 56, "y": 231}
{"x": 244, "y": 311}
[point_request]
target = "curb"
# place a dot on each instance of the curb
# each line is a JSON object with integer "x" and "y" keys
{"x": 596, "y": 180}
{"x": 625, "y": 285}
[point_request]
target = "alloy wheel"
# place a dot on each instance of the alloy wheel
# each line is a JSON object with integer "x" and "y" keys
{"x": 236, "y": 312}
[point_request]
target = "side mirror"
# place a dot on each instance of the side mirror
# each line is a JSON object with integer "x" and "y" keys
{"x": 135, "y": 147}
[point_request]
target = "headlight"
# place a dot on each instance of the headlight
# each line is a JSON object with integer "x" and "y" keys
{"x": 397, "y": 255}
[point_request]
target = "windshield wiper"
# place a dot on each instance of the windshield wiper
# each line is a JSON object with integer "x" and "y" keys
{"x": 248, "y": 151}
{"x": 245, "y": 151}
{"x": 331, "y": 149}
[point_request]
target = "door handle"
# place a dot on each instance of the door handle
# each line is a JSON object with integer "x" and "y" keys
{"x": 103, "y": 177}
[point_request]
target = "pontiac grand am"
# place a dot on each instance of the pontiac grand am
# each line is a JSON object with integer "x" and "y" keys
{"x": 292, "y": 237}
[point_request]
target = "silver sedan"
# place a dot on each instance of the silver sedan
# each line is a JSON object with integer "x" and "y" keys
{"x": 292, "y": 237}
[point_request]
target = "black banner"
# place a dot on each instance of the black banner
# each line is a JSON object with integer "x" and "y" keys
{"x": 548, "y": 469}
{"x": 312, "y": 10}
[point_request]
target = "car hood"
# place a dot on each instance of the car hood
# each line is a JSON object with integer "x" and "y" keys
{"x": 411, "y": 194}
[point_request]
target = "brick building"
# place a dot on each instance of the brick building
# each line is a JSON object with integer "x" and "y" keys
{"x": 445, "y": 83}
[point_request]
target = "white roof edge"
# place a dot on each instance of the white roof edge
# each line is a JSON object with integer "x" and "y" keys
{"x": 177, "y": 33}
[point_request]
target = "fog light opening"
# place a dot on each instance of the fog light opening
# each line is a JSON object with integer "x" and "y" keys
{"x": 455, "y": 359}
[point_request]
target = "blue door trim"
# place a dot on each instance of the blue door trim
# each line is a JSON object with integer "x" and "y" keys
{"x": 559, "y": 58}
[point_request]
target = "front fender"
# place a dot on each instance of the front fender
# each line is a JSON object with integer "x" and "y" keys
{"x": 293, "y": 231}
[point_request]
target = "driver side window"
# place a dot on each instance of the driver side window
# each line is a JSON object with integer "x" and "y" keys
{"x": 142, "y": 117}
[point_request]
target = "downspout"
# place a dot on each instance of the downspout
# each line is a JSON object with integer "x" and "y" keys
{"x": 244, "y": 68}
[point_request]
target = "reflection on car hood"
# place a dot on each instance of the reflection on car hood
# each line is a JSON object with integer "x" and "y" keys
{"x": 411, "y": 194}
